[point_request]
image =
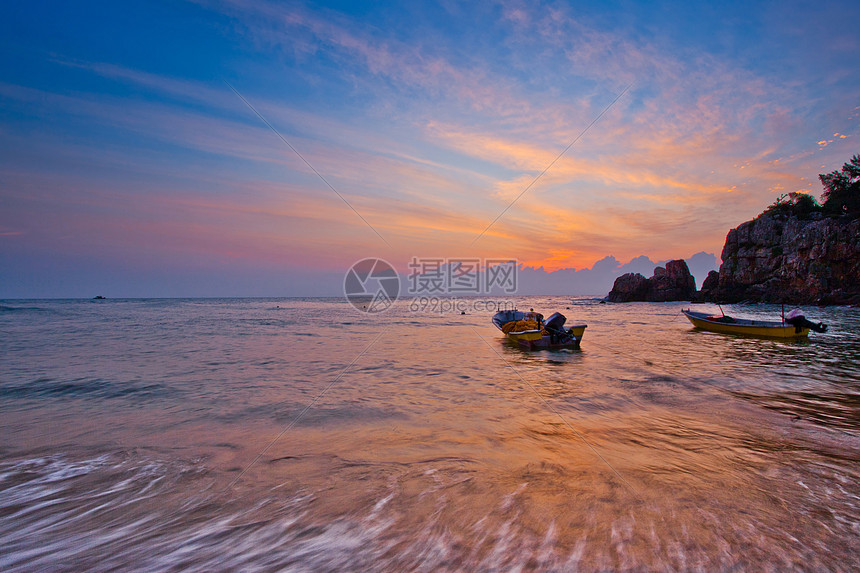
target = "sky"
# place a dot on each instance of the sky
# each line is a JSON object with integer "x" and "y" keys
{"x": 238, "y": 148}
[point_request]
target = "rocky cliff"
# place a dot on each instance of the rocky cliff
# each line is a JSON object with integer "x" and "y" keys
{"x": 674, "y": 282}
{"x": 784, "y": 258}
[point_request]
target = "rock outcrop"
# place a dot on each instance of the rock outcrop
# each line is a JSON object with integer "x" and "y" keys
{"x": 786, "y": 259}
{"x": 709, "y": 286}
{"x": 629, "y": 287}
{"x": 674, "y": 282}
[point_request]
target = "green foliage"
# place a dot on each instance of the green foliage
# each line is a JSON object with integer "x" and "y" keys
{"x": 796, "y": 204}
{"x": 842, "y": 189}
{"x": 805, "y": 204}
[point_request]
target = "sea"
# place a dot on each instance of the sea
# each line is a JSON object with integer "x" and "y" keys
{"x": 304, "y": 435}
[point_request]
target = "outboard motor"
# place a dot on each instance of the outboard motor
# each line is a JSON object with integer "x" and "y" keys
{"x": 799, "y": 322}
{"x": 555, "y": 322}
{"x": 555, "y": 326}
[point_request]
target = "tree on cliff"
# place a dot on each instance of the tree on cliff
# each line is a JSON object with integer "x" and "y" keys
{"x": 797, "y": 204}
{"x": 842, "y": 189}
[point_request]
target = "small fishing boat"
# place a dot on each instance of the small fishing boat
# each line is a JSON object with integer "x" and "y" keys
{"x": 794, "y": 327}
{"x": 531, "y": 331}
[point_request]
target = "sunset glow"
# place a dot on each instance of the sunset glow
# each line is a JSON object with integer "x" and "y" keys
{"x": 129, "y": 166}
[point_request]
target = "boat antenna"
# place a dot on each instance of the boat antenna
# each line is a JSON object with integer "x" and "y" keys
{"x": 783, "y": 313}
{"x": 721, "y": 309}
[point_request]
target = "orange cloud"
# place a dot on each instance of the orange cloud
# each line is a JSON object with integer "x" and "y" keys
{"x": 692, "y": 153}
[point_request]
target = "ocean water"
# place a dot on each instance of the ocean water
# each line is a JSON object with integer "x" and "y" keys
{"x": 301, "y": 435}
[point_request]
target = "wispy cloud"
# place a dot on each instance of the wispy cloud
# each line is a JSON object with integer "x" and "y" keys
{"x": 428, "y": 135}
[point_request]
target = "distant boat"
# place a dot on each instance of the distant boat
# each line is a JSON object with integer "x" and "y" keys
{"x": 793, "y": 328}
{"x": 99, "y": 297}
{"x": 531, "y": 331}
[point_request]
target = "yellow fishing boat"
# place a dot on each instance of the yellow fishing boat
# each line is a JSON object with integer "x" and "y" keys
{"x": 530, "y": 330}
{"x": 795, "y": 327}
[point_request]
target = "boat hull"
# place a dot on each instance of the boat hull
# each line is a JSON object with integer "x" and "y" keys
{"x": 577, "y": 330}
{"x": 757, "y": 328}
{"x": 535, "y": 341}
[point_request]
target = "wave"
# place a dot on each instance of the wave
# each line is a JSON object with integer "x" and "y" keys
{"x": 4, "y": 308}
{"x": 82, "y": 388}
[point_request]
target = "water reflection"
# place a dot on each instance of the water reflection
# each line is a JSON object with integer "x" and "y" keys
{"x": 125, "y": 422}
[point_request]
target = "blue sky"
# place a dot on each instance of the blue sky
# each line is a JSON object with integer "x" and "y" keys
{"x": 128, "y": 167}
